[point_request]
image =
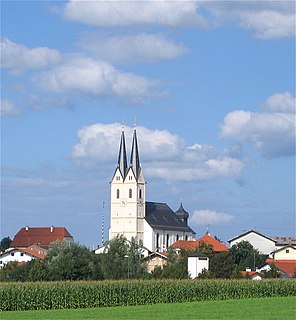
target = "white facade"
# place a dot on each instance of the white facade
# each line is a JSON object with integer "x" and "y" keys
{"x": 15, "y": 254}
{"x": 263, "y": 244}
{"x": 196, "y": 264}
{"x": 285, "y": 253}
{"x": 127, "y": 205}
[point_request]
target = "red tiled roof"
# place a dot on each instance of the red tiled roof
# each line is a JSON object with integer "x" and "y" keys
{"x": 192, "y": 245}
{"x": 286, "y": 266}
{"x": 184, "y": 244}
{"x": 32, "y": 253}
{"x": 217, "y": 245}
{"x": 42, "y": 236}
{"x": 249, "y": 273}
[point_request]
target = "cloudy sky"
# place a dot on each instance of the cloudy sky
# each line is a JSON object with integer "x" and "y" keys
{"x": 211, "y": 89}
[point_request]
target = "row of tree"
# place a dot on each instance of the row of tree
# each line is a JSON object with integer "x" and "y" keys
{"x": 122, "y": 260}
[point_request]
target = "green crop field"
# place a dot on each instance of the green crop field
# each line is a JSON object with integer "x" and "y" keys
{"x": 253, "y": 308}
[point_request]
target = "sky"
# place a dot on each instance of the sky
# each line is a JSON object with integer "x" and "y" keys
{"x": 209, "y": 86}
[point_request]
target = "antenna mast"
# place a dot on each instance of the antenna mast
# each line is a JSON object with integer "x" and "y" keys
{"x": 103, "y": 221}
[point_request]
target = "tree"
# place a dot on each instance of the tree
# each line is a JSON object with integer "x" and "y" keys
{"x": 176, "y": 267}
{"x": 122, "y": 259}
{"x": 5, "y": 243}
{"x": 68, "y": 261}
{"x": 205, "y": 248}
{"x": 222, "y": 265}
{"x": 245, "y": 256}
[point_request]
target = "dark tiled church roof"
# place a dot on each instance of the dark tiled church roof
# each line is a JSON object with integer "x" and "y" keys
{"x": 161, "y": 216}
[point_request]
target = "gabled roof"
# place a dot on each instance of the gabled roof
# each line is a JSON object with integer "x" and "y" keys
{"x": 192, "y": 245}
{"x": 25, "y": 250}
{"x": 217, "y": 245}
{"x": 285, "y": 266}
{"x": 42, "y": 236}
{"x": 251, "y": 231}
{"x": 161, "y": 216}
{"x": 284, "y": 248}
{"x": 250, "y": 273}
{"x": 184, "y": 245}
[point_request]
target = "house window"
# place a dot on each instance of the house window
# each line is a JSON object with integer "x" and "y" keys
{"x": 157, "y": 240}
{"x": 12, "y": 254}
{"x": 130, "y": 193}
{"x": 140, "y": 193}
{"x": 202, "y": 258}
{"x": 167, "y": 240}
{"x": 186, "y": 237}
{"x": 22, "y": 254}
{"x": 287, "y": 251}
{"x": 130, "y": 178}
{"x": 177, "y": 237}
{"x": 117, "y": 178}
{"x": 117, "y": 194}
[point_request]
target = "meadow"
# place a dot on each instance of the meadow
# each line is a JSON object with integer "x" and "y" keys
{"x": 276, "y": 308}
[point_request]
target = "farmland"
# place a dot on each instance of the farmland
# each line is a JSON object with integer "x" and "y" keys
{"x": 91, "y": 294}
{"x": 276, "y": 308}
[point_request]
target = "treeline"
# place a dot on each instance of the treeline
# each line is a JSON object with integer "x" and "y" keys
{"x": 123, "y": 260}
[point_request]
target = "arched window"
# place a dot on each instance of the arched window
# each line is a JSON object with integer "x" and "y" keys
{"x": 167, "y": 240}
{"x": 157, "y": 241}
{"x": 140, "y": 193}
{"x": 177, "y": 237}
{"x": 130, "y": 193}
{"x": 117, "y": 194}
{"x": 186, "y": 237}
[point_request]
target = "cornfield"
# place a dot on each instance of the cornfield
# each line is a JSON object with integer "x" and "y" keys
{"x": 61, "y": 295}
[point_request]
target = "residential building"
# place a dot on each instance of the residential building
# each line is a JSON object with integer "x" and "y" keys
{"x": 41, "y": 236}
{"x": 284, "y": 253}
{"x": 262, "y": 243}
{"x": 22, "y": 255}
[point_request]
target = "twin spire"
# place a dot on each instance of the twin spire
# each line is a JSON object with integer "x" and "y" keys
{"x": 134, "y": 160}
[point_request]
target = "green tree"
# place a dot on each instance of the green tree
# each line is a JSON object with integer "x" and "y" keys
{"x": 122, "y": 259}
{"x": 222, "y": 265}
{"x": 68, "y": 261}
{"x": 176, "y": 267}
{"x": 245, "y": 256}
{"x": 5, "y": 243}
{"x": 205, "y": 248}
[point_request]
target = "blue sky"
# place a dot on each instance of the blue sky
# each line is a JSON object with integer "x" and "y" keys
{"x": 210, "y": 86}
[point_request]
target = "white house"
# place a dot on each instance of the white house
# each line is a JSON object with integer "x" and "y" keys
{"x": 197, "y": 263}
{"x": 284, "y": 253}
{"x": 131, "y": 215}
{"x": 21, "y": 255}
{"x": 263, "y": 244}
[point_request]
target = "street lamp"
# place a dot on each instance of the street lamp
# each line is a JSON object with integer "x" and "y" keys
{"x": 126, "y": 256}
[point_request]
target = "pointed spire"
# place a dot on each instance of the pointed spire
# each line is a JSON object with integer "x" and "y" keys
{"x": 122, "y": 162}
{"x": 135, "y": 160}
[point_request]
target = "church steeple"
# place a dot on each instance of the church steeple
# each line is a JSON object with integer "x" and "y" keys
{"x": 122, "y": 162}
{"x": 135, "y": 159}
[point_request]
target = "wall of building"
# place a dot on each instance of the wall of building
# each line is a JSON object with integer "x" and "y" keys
{"x": 288, "y": 253}
{"x": 196, "y": 265}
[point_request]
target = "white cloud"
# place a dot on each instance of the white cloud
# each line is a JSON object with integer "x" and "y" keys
{"x": 8, "y": 108}
{"x": 132, "y": 48}
{"x": 166, "y": 156}
{"x": 206, "y": 216}
{"x": 20, "y": 57}
{"x": 96, "y": 78}
{"x": 266, "y": 19}
{"x": 123, "y": 13}
{"x": 272, "y": 131}
{"x": 269, "y": 24}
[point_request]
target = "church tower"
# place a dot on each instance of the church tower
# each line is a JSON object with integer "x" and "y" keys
{"x": 128, "y": 191}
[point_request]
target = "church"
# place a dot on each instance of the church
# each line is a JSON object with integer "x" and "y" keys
{"x": 131, "y": 215}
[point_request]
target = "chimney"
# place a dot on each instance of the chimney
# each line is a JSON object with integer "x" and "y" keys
{"x": 27, "y": 228}
{"x": 51, "y": 229}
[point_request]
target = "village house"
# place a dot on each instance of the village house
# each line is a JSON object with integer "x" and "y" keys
{"x": 41, "y": 236}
